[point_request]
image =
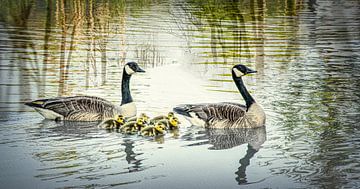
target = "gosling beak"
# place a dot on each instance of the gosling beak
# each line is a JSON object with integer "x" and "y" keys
{"x": 138, "y": 69}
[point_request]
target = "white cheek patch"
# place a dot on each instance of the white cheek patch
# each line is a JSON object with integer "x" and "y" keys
{"x": 238, "y": 73}
{"x": 128, "y": 70}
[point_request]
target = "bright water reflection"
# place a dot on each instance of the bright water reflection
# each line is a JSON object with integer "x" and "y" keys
{"x": 307, "y": 55}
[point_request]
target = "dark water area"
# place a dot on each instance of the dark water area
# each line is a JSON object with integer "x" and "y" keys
{"x": 307, "y": 54}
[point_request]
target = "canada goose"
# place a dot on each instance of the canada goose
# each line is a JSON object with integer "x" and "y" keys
{"x": 89, "y": 108}
{"x": 227, "y": 114}
{"x": 142, "y": 116}
{"x": 154, "y": 130}
{"x": 157, "y": 118}
{"x": 171, "y": 124}
{"x": 133, "y": 127}
{"x": 112, "y": 123}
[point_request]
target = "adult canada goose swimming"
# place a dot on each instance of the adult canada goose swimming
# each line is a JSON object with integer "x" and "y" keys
{"x": 90, "y": 108}
{"x": 227, "y": 114}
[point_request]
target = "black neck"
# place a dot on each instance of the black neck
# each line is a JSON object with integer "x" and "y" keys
{"x": 125, "y": 89}
{"x": 244, "y": 92}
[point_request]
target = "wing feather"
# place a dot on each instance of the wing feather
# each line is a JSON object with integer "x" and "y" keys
{"x": 79, "y": 107}
{"x": 214, "y": 112}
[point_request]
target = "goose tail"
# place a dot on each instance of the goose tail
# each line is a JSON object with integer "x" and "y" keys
{"x": 41, "y": 107}
{"x": 36, "y": 103}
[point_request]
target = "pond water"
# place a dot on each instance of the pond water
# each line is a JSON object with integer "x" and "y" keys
{"x": 306, "y": 52}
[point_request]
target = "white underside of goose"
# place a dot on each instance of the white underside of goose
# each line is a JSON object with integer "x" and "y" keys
{"x": 48, "y": 114}
{"x": 194, "y": 120}
{"x": 128, "y": 110}
{"x": 256, "y": 115}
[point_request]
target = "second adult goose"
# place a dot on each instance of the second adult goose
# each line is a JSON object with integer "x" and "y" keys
{"x": 90, "y": 108}
{"x": 227, "y": 114}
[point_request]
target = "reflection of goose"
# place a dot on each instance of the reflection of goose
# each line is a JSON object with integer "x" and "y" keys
{"x": 71, "y": 129}
{"x": 229, "y": 138}
{"x": 227, "y": 114}
{"x": 89, "y": 108}
{"x": 244, "y": 162}
{"x": 131, "y": 156}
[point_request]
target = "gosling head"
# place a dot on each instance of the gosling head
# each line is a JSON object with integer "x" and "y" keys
{"x": 144, "y": 117}
{"x": 140, "y": 121}
{"x": 170, "y": 115}
{"x": 174, "y": 122}
{"x": 132, "y": 67}
{"x": 241, "y": 70}
{"x": 160, "y": 127}
{"x": 120, "y": 119}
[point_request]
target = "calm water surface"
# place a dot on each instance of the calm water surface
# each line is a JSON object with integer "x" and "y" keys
{"x": 307, "y": 54}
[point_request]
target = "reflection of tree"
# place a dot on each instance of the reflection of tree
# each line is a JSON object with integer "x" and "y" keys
{"x": 59, "y": 51}
{"x": 102, "y": 29}
{"x": 148, "y": 55}
{"x": 24, "y": 53}
{"x": 90, "y": 56}
{"x": 46, "y": 60}
{"x": 236, "y": 29}
{"x": 226, "y": 25}
{"x": 77, "y": 21}
{"x": 312, "y": 4}
{"x": 334, "y": 93}
{"x": 120, "y": 12}
{"x": 316, "y": 112}
{"x": 62, "y": 23}
{"x": 65, "y": 62}
{"x": 258, "y": 16}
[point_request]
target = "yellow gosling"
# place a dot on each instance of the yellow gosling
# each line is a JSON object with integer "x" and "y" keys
{"x": 171, "y": 124}
{"x": 142, "y": 116}
{"x": 156, "y": 130}
{"x": 113, "y": 123}
{"x": 158, "y": 118}
{"x": 133, "y": 127}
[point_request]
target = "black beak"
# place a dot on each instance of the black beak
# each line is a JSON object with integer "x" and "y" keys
{"x": 249, "y": 71}
{"x": 138, "y": 69}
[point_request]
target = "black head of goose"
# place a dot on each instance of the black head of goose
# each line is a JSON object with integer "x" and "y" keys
{"x": 90, "y": 108}
{"x": 227, "y": 114}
